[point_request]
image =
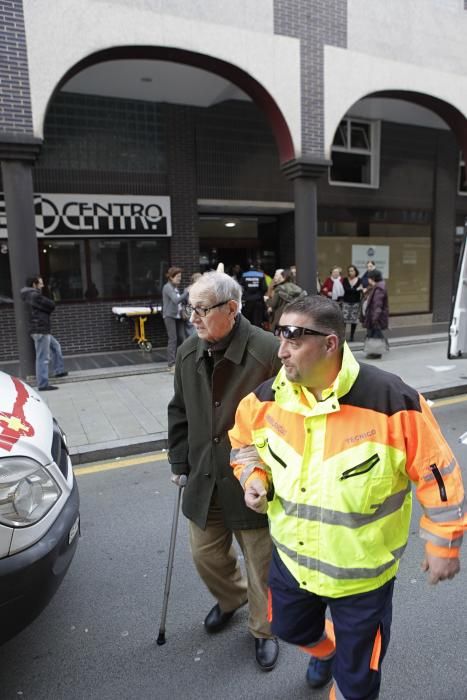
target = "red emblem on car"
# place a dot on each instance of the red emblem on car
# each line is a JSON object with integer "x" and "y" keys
{"x": 14, "y": 425}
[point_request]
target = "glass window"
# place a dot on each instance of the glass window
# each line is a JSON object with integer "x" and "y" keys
{"x": 462, "y": 184}
{"x": 5, "y": 281}
{"x": 128, "y": 268}
{"x": 355, "y": 154}
{"x": 105, "y": 268}
{"x": 61, "y": 267}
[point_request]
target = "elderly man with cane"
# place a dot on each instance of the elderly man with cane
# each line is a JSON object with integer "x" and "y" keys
{"x": 214, "y": 370}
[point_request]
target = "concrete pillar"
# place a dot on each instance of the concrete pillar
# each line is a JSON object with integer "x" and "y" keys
{"x": 305, "y": 174}
{"x": 17, "y": 159}
{"x": 444, "y": 225}
{"x": 181, "y": 164}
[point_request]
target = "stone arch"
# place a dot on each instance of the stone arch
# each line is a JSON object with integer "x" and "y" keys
{"x": 447, "y": 112}
{"x": 260, "y": 96}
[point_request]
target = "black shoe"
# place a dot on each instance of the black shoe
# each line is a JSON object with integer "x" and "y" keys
{"x": 267, "y": 651}
{"x": 62, "y": 374}
{"x": 216, "y": 620}
{"x": 49, "y": 387}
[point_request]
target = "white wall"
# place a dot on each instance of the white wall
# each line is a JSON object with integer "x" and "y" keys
{"x": 233, "y": 13}
{"x": 429, "y": 33}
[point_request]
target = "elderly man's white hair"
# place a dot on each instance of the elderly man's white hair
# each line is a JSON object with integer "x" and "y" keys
{"x": 218, "y": 286}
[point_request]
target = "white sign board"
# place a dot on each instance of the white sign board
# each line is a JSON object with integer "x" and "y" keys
{"x": 97, "y": 216}
{"x": 378, "y": 253}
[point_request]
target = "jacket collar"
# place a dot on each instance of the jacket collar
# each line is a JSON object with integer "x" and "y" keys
{"x": 289, "y": 394}
{"x": 236, "y": 348}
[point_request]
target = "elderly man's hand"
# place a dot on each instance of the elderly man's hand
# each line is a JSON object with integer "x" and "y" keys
{"x": 256, "y": 496}
{"x": 440, "y": 568}
{"x": 179, "y": 479}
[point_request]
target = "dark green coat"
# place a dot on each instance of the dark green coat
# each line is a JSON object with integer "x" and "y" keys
{"x": 200, "y": 416}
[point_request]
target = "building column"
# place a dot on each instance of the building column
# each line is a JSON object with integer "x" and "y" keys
{"x": 17, "y": 159}
{"x": 444, "y": 225}
{"x": 181, "y": 162}
{"x": 305, "y": 174}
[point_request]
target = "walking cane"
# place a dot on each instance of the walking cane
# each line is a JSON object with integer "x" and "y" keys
{"x": 168, "y": 577}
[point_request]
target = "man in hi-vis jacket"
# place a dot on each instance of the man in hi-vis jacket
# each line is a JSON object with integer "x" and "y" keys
{"x": 329, "y": 449}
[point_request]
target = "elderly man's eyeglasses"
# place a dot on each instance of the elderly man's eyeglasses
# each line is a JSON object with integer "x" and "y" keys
{"x": 295, "y": 332}
{"x": 204, "y": 310}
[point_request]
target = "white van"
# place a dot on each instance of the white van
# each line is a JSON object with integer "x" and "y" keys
{"x": 457, "y": 346}
{"x": 39, "y": 505}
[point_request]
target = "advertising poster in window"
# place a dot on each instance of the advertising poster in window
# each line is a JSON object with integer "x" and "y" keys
{"x": 379, "y": 254}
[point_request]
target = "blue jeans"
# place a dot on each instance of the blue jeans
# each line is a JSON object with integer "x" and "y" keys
{"x": 47, "y": 347}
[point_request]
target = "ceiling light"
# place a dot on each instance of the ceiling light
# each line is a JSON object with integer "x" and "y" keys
{"x": 230, "y": 224}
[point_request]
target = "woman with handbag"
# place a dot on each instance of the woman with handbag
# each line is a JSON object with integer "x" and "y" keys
{"x": 376, "y": 318}
{"x": 172, "y": 300}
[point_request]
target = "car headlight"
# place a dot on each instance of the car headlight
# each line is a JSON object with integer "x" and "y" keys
{"x": 27, "y": 491}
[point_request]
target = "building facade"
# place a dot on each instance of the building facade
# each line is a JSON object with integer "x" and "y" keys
{"x": 308, "y": 133}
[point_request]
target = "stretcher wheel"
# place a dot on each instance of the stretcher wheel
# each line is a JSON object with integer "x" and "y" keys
{"x": 145, "y": 345}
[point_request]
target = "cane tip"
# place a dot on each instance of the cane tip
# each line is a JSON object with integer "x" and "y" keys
{"x": 161, "y": 639}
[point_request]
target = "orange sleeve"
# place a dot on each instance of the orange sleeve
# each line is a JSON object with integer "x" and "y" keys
{"x": 244, "y": 458}
{"x": 432, "y": 466}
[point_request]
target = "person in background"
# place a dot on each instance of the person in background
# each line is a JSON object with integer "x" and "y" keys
{"x": 215, "y": 368}
{"x": 330, "y": 449}
{"x": 254, "y": 289}
{"x": 332, "y": 286}
{"x": 351, "y": 299}
{"x": 172, "y": 300}
{"x": 277, "y": 278}
{"x": 284, "y": 292}
{"x": 91, "y": 292}
{"x": 376, "y": 314}
{"x": 189, "y": 327}
{"x": 45, "y": 344}
{"x": 236, "y": 273}
{"x": 370, "y": 266}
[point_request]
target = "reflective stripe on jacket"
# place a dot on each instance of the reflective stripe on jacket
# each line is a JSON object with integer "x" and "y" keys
{"x": 341, "y": 470}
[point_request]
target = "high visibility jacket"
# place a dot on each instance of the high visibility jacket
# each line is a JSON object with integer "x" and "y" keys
{"x": 341, "y": 471}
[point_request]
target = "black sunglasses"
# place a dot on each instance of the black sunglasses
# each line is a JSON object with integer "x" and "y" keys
{"x": 203, "y": 311}
{"x": 294, "y": 332}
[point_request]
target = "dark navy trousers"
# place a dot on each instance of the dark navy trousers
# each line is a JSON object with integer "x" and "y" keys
{"x": 298, "y": 617}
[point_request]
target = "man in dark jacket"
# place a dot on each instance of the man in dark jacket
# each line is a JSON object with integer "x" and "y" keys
{"x": 254, "y": 288}
{"x": 215, "y": 368}
{"x": 40, "y": 308}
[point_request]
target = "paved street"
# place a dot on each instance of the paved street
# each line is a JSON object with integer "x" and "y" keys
{"x": 96, "y": 640}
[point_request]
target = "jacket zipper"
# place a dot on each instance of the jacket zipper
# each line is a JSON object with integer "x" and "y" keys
{"x": 439, "y": 481}
{"x": 277, "y": 458}
{"x": 368, "y": 463}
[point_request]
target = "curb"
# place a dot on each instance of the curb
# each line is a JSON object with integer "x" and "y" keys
{"x": 90, "y": 453}
{"x": 444, "y": 392}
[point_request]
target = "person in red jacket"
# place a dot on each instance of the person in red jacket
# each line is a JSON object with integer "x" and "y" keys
{"x": 332, "y": 287}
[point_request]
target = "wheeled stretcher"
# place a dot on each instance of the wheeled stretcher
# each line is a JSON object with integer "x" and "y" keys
{"x": 139, "y": 314}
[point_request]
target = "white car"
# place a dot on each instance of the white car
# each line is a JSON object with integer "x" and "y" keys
{"x": 39, "y": 505}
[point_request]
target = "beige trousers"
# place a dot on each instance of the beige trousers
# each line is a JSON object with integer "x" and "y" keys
{"x": 216, "y": 561}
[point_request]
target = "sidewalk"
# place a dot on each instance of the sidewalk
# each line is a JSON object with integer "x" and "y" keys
{"x": 119, "y": 411}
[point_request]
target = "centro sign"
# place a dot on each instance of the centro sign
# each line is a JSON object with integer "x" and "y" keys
{"x": 64, "y": 215}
